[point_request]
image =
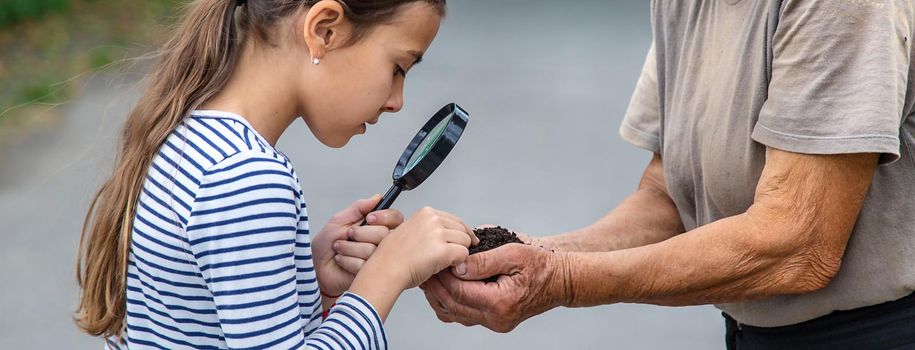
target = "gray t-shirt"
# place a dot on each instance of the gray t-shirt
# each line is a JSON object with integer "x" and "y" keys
{"x": 834, "y": 76}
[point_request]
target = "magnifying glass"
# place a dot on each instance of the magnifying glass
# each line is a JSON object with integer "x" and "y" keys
{"x": 426, "y": 151}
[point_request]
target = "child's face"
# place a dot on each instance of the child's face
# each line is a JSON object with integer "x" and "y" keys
{"x": 355, "y": 84}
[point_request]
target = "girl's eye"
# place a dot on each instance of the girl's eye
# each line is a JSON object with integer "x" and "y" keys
{"x": 400, "y": 71}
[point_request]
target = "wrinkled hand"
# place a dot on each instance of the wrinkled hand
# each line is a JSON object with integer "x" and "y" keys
{"x": 338, "y": 260}
{"x": 531, "y": 280}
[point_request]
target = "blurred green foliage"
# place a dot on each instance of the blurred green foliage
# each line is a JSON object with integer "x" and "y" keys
{"x": 48, "y": 47}
{"x": 15, "y": 11}
{"x": 40, "y": 92}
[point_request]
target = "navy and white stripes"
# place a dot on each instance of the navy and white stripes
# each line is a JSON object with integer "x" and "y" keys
{"x": 221, "y": 252}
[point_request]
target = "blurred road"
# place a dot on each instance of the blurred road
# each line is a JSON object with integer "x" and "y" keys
{"x": 546, "y": 83}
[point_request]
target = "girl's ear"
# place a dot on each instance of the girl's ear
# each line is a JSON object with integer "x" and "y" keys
{"x": 325, "y": 28}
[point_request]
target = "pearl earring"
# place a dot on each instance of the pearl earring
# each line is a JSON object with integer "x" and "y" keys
{"x": 315, "y": 61}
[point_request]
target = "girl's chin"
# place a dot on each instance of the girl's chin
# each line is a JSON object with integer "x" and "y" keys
{"x": 335, "y": 142}
{"x": 338, "y": 141}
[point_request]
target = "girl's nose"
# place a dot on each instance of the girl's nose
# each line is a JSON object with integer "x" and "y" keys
{"x": 395, "y": 102}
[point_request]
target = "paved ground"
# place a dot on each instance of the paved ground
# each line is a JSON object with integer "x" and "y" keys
{"x": 546, "y": 83}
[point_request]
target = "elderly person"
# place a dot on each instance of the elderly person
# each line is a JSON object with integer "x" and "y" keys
{"x": 781, "y": 187}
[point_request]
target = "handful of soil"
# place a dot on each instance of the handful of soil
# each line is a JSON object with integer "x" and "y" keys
{"x": 492, "y": 238}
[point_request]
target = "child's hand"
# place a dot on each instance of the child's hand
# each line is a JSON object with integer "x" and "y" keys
{"x": 336, "y": 271}
{"x": 361, "y": 241}
{"x": 430, "y": 241}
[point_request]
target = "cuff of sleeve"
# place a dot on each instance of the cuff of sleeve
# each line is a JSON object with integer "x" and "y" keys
{"x": 639, "y": 138}
{"x": 887, "y": 146}
{"x": 353, "y": 309}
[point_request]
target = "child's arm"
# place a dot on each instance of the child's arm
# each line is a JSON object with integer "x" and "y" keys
{"x": 242, "y": 233}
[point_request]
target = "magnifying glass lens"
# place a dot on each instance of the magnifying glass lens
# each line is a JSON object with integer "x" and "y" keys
{"x": 431, "y": 139}
{"x": 426, "y": 151}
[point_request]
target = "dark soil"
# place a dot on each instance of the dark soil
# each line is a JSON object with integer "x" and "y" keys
{"x": 492, "y": 238}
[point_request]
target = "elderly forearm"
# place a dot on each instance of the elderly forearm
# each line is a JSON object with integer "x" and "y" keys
{"x": 722, "y": 262}
{"x": 790, "y": 241}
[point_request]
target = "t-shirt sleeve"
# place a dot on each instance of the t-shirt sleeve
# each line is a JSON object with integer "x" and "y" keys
{"x": 839, "y": 76}
{"x": 641, "y": 126}
{"x": 242, "y": 233}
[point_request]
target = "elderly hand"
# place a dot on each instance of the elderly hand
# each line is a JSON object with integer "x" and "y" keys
{"x": 531, "y": 280}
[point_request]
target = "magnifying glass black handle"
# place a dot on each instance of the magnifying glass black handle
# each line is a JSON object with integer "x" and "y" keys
{"x": 386, "y": 200}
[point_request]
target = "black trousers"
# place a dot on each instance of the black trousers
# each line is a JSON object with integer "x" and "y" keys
{"x": 887, "y": 326}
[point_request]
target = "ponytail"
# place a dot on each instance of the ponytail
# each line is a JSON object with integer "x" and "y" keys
{"x": 194, "y": 65}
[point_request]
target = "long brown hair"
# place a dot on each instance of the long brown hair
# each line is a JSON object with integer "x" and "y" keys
{"x": 193, "y": 65}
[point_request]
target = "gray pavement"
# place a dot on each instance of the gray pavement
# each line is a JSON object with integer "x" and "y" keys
{"x": 546, "y": 83}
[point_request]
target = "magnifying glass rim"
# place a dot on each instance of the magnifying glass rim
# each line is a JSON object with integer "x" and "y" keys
{"x": 453, "y": 131}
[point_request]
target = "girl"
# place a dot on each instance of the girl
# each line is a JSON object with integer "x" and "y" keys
{"x": 200, "y": 238}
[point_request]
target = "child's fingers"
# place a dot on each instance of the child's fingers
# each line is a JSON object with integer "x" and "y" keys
{"x": 390, "y": 218}
{"x": 349, "y": 264}
{"x": 354, "y": 249}
{"x": 459, "y": 225}
{"x": 368, "y": 234}
{"x": 474, "y": 240}
{"x": 356, "y": 211}
{"x": 456, "y": 223}
{"x": 454, "y": 218}
{"x": 457, "y": 237}
{"x": 365, "y": 206}
{"x": 457, "y": 254}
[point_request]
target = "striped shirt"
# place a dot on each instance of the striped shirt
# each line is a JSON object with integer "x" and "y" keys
{"x": 221, "y": 252}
